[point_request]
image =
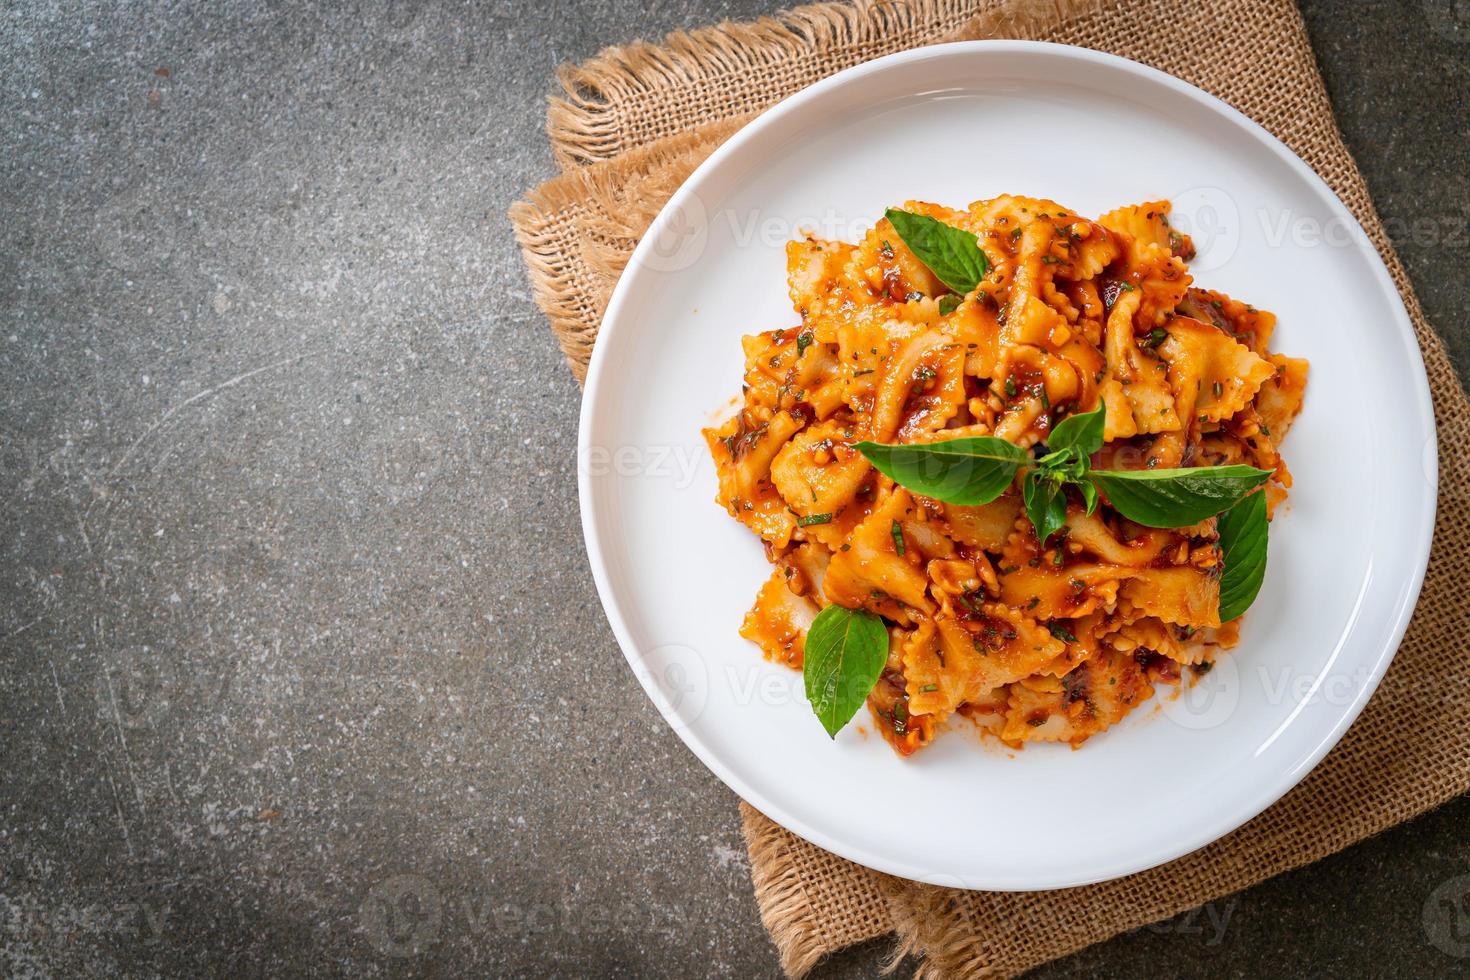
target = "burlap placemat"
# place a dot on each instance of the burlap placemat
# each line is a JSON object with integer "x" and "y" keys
{"x": 637, "y": 119}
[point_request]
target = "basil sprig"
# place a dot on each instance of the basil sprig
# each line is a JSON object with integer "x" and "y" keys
{"x": 1243, "y": 534}
{"x": 977, "y": 469}
{"x": 1046, "y": 502}
{"x": 846, "y": 649}
{"x": 952, "y": 254}
{"x": 1072, "y": 442}
{"x": 845, "y": 653}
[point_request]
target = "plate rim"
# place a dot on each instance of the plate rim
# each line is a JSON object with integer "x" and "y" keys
{"x": 1271, "y": 790}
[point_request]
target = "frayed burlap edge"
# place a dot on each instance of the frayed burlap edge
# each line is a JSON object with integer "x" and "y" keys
{"x": 786, "y": 911}
{"x": 632, "y": 95}
{"x": 577, "y": 230}
{"x": 797, "y": 917}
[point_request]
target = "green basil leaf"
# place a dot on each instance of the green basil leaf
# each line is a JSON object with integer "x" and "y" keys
{"x": 1176, "y": 498}
{"x": 1054, "y": 460}
{"x": 952, "y": 254}
{"x": 1046, "y": 504}
{"x": 948, "y": 303}
{"x": 1063, "y": 466}
{"x": 1083, "y": 432}
{"x": 969, "y": 471}
{"x": 1154, "y": 338}
{"x": 1089, "y": 495}
{"x": 1243, "y": 534}
{"x": 1061, "y": 632}
{"x": 846, "y": 650}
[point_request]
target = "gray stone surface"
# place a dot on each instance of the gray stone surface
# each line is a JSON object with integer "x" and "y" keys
{"x": 294, "y": 613}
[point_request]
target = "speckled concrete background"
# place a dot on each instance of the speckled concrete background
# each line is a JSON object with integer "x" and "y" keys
{"x": 295, "y": 622}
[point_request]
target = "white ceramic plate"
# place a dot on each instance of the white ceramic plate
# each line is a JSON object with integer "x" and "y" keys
{"x": 954, "y": 124}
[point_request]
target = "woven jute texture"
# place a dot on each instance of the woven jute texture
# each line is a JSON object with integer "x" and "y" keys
{"x": 634, "y": 123}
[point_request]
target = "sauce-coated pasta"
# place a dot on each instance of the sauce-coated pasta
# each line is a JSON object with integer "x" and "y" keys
{"x": 1030, "y": 641}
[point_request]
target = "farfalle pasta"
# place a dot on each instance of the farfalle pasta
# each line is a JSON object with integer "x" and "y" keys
{"x": 1031, "y": 640}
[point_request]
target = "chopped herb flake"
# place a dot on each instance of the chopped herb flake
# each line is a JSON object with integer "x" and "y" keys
{"x": 1061, "y": 632}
